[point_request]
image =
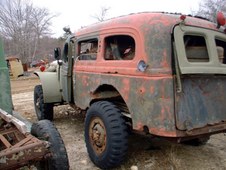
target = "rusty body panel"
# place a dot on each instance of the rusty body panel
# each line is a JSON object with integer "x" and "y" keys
{"x": 148, "y": 102}
{"x": 151, "y": 31}
{"x": 148, "y": 95}
{"x": 159, "y": 96}
{"x": 202, "y": 102}
{"x": 154, "y": 73}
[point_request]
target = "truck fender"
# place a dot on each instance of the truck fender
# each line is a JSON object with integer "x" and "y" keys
{"x": 50, "y": 86}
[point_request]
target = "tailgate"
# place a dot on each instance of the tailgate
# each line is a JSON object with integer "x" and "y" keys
{"x": 202, "y": 102}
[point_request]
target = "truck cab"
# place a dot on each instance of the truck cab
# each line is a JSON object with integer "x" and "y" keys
{"x": 158, "y": 73}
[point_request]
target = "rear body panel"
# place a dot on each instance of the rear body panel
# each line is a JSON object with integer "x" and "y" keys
{"x": 201, "y": 54}
{"x": 202, "y": 102}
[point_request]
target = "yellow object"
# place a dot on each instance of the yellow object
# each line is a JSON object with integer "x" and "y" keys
{"x": 15, "y": 67}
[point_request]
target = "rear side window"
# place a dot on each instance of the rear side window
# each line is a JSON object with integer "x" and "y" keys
{"x": 195, "y": 48}
{"x": 87, "y": 49}
{"x": 119, "y": 47}
{"x": 221, "y": 50}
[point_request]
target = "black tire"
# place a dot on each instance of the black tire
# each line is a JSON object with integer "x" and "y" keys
{"x": 197, "y": 141}
{"x": 42, "y": 110}
{"x": 105, "y": 123}
{"x": 45, "y": 130}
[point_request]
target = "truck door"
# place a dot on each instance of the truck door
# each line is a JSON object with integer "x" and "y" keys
{"x": 66, "y": 69}
{"x": 201, "y": 77}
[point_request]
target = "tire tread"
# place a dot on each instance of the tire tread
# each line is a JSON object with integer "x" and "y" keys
{"x": 118, "y": 136}
{"x": 45, "y": 130}
{"x": 46, "y": 109}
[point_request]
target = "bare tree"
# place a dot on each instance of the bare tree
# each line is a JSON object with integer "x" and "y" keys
{"x": 41, "y": 21}
{"x": 103, "y": 13}
{"x": 23, "y": 24}
{"x": 209, "y": 8}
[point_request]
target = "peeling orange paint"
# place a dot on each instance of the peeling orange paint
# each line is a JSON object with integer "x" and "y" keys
{"x": 149, "y": 95}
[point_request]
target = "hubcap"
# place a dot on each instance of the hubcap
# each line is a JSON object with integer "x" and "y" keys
{"x": 97, "y": 135}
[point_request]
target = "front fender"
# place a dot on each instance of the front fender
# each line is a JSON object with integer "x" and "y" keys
{"x": 50, "y": 86}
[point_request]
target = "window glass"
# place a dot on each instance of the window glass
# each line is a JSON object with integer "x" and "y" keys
{"x": 221, "y": 50}
{"x": 88, "y": 49}
{"x": 119, "y": 47}
{"x": 195, "y": 47}
{"x": 65, "y": 52}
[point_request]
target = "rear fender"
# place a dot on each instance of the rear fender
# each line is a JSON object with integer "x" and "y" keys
{"x": 50, "y": 86}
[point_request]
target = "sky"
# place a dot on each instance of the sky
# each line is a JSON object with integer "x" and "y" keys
{"x": 77, "y": 14}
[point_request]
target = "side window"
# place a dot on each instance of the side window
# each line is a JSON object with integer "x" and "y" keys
{"x": 195, "y": 48}
{"x": 65, "y": 52}
{"x": 119, "y": 47}
{"x": 87, "y": 49}
{"x": 221, "y": 50}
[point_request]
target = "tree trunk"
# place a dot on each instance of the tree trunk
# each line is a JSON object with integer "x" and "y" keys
{"x": 25, "y": 67}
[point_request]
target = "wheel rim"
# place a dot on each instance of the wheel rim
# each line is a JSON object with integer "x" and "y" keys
{"x": 97, "y": 135}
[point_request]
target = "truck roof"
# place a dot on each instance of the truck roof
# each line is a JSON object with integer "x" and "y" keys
{"x": 140, "y": 21}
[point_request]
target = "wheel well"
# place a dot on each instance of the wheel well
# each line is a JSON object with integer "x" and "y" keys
{"x": 110, "y": 93}
{"x": 36, "y": 74}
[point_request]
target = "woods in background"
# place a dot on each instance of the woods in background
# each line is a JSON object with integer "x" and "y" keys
{"x": 26, "y": 30}
{"x": 209, "y": 8}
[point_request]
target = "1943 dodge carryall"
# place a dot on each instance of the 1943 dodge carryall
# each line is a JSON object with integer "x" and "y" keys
{"x": 158, "y": 73}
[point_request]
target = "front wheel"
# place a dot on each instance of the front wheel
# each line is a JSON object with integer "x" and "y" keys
{"x": 45, "y": 130}
{"x": 106, "y": 135}
{"x": 42, "y": 110}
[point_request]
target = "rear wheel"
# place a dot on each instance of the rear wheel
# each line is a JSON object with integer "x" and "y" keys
{"x": 45, "y": 130}
{"x": 105, "y": 135}
{"x": 43, "y": 110}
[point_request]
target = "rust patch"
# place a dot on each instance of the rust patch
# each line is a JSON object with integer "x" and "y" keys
{"x": 18, "y": 149}
{"x": 150, "y": 95}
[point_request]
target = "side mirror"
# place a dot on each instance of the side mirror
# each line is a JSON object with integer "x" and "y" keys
{"x": 57, "y": 53}
{"x": 67, "y": 30}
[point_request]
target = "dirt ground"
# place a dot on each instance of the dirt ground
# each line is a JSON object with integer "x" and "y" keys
{"x": 144, "y": 152}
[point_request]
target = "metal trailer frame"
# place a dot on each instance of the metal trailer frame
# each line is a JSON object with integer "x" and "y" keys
{"x": 19, "y": 148}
